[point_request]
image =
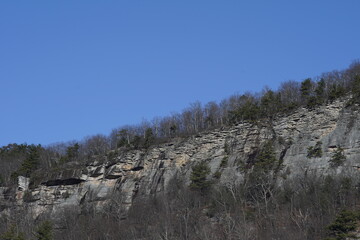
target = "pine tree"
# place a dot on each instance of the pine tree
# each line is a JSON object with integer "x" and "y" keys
{"x": 198, "y": 177}
{"x": 344, "y": 224}
{"x": 31, "y": 162}
{"x": 305, "y": 89}
{"x": 266, "y": 159}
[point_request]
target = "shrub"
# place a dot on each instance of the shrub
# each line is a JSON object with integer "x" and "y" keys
{"x": 355, "y": 90}
{"x": 315, "y": 151}
{"x": 338, "y": 158}
{"x": 336, "y": 91}
{"x": 44, "y": 231}
{"x": 226, "y": 148}
{"x": 224, "y": 162}
{"x": 28, "y": 197}
{"x": 65, "y": 194}
{"x": 217, "y": 174}
{"x": 1, "y": 180}
{"x": 12, "y": 234}
{"x": 136, "y": 142}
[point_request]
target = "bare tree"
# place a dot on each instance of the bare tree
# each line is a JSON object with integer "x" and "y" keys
{"x": 95, "y": 145}
{"x": 290, "y": 92}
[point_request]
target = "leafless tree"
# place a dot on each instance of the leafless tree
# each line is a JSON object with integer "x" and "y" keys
{"x": 95, "y": 145}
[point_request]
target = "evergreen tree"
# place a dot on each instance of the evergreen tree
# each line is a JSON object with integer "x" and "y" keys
{"x": 338, "y": 158}
{"x": 312, "y": 102}
{"x": 31, "y": 162}
{"x": 315, "y": 151}
{"x": 269, "y": 103}
{"x": 320, "y": 90}
{"x": 173, "y": 130}
{"x": 124, "y": 138}
{"x": 266, "y": 159}
{"x": 198, "y": 177}
{"x": 344, "y": 223}
{"x": 355, "y": 89}
{"x": 136, "y": 142}
{"x": 306, "y": 87}
{"x": 248, "y": 110}
{"x": 149, "y": 138}
{"x": 44, "y": 231}
{"x": 72, "y": 153}
{"x": 335, "y": 92}
{"x": 12, "y": 234}
{"x": 319, "y": 97}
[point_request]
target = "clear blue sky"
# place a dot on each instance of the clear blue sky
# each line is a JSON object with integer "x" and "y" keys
{"x": 69, "y": 69}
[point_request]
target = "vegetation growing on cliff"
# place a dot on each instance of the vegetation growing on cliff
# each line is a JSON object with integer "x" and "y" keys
{"x": 315, "y": 151}
{"x": 199, "y": 175}
{"x": 266, "y": 159}
{"x": 12, "y": 234}
{"x": 72, "y": 153}
{"x": 44, "y": 231}
{"x": 338, "y": 158}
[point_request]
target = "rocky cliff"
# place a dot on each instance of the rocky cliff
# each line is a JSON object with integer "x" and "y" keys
{"x": 228, "y": 151}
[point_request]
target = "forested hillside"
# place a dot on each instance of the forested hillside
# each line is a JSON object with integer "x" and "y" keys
{"x": 279, "y": 164}
{"x": 257, "y": 107}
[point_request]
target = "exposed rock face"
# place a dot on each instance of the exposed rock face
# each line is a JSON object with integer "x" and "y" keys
{"x": 136, "y": 172}
{"x": 23, "y": 183}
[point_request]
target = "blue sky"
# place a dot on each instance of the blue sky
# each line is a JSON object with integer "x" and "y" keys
{"x": 69, "y": 69}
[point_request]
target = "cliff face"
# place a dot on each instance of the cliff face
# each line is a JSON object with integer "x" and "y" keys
{"x": 228, "y": 152}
